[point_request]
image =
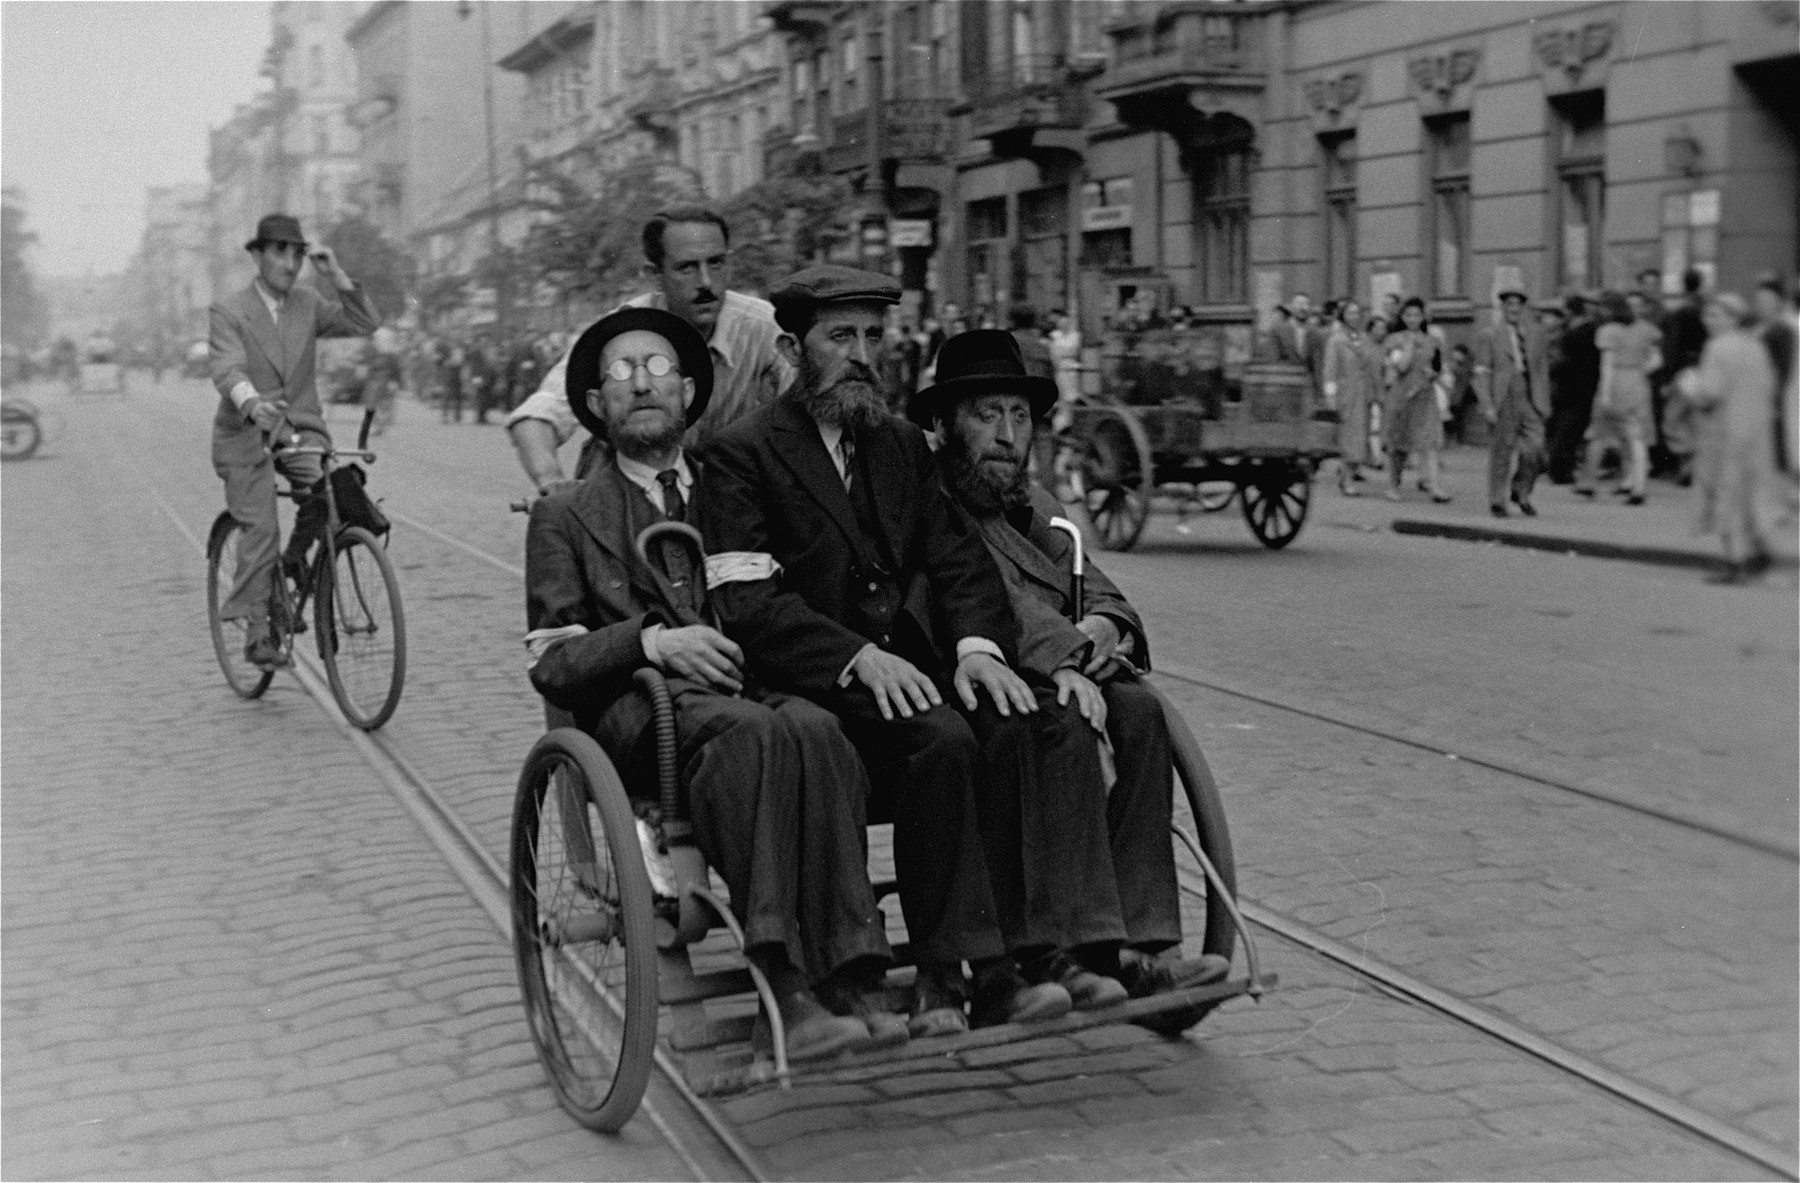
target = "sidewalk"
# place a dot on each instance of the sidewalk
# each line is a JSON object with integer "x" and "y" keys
{"x": 1660, "y": 531}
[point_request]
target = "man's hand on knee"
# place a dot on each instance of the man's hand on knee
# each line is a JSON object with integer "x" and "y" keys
{"x": 1006, "y": 688}
{"x": 1088, "y": 699}
{"x": 702, "y": 654}
{"x": 896, "y": 683}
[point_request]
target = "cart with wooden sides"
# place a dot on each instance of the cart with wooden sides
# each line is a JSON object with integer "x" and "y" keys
{"x": 1186, "y": 420}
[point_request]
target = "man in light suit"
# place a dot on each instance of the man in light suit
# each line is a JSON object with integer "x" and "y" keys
{"x": 776, "y": 794}
{"x": 1512, "y": 383}
{"x": 984, "y": 407}
{"x": 264, "y": 349}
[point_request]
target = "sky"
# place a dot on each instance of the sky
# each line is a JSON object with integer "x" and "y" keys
{"x": 100, "y": 99}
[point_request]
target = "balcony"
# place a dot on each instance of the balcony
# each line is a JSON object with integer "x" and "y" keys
{"x": 652, "y": 106}
{"x": 808, "y": 18}
{"x": 913, "y": 131}
{"x": 1030, "y": 109}
{"x": 1193, "y": 56}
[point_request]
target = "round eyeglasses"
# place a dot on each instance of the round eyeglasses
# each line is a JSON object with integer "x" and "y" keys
{"x": 658, "y": 364}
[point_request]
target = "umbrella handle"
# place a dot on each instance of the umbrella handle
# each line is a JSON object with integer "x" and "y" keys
{"x": 1078, "y": 577}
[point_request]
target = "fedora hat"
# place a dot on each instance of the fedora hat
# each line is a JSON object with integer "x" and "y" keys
{"x": 980, "y": 361}
{"x": 276, "y": 228}
{"x": 583, "y": 373}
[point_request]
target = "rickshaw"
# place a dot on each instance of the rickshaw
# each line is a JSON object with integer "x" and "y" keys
{"x": 1185, "y": 415}
{"x": 623, "y": 938}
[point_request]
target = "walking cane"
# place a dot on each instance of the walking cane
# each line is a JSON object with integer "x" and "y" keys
{"x": 1077, "y": 578}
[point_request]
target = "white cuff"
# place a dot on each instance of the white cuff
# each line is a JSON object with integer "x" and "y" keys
{"x": 970, "y": 645}
{"x": 843, "y": 679}
{"x": 539, "y": 640}
{"x": 652, "y": 653}
{"x": 242, "y": 393}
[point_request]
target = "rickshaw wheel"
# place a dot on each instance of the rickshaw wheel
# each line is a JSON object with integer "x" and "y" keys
{"x": 1276, "y": 505}
{"x": 584, "y": 930}
{"x": 1206, "y": 815}
{"x": 1113, "y": 481}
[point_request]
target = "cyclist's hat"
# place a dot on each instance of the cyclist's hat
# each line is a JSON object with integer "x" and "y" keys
{"x": 276, "y": 228}
{"x": 980, "y": 361}
{"x": 583, "y": 372}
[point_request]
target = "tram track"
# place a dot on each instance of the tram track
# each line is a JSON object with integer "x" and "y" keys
{"x": 704, "y": 1142}
{"x": 709, "y": 1146}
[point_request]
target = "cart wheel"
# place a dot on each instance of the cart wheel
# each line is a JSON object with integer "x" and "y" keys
{"x": 583, "y": 930}
{"x": 1214, "y": 496}
{"x": 362, "y": 630}
{"x": 19, "y": 435}
{"x": 1112, "y": 481}
{"x": 229, "y": 636}
{"x": 1205, "y": 820}
{"x": 1277, "y": 511}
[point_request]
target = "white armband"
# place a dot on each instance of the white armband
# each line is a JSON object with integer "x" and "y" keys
{"x": 539, "y": 640}
{"x": 740, "y": 566}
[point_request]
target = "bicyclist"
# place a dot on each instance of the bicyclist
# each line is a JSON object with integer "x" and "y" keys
{"x": 263, "y": 346}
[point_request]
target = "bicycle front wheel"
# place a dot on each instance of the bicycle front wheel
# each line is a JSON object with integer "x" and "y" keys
{"x": 362, "y": 631}
{"x": 229, "y": 637}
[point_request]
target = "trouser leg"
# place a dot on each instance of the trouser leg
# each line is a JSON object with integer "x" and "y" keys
{"x": 835, "y": 906}
{"x": 1528, "y": 446}
{"x": 1043, "y": 823}
{"x": 304, "y": 474}
{"x": 924, "y": 772}
{"x": 1138, "y": 813}
{"x": 1500, "y": 451}
{"x": 250, "y": 497}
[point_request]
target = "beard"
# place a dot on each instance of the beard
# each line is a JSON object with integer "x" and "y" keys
{"x": 638, "y": 438}
{"x": 997, "y": 480}
{"x": 853, "y": 397}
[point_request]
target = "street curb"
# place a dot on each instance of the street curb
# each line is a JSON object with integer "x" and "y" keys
{"x": 1593, "y": 548}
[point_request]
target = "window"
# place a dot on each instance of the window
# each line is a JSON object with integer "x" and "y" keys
{"x": 1338, "y": 168}
{"x": 803, "y": 121}
{"x": 1448, "y": 142}
{"x": 1044, "y": 243}
{"x": 852, "y": 94}
{"x": 821, "y": 91}
{"x": 1222, "y": 224}
{"x": 1581, "y": 187}
{"x": 986, "y": 225}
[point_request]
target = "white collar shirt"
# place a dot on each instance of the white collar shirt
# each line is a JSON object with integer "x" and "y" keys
{"x": 644, "y": 476}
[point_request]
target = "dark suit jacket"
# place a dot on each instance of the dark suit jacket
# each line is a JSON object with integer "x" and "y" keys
{"x": 771, "y": 488}
{"x": 581, "y": 568}
{"x": 1036, "y": 565}
{"x": 276, "y": 359}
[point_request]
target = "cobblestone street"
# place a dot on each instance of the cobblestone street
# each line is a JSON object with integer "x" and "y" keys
{"x": 231, "y": 954}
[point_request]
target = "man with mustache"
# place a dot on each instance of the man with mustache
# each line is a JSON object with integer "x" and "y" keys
{"x": 687, "y": 253}
{"x": 774, "y": 791}
{"x": 985, "y": 407}
{"x": 866, "y": 591}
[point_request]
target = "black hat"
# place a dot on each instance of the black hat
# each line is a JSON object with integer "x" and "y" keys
{"x": 798, "y": 296}
{"x": 1513, "y": 291}
{"x": 276, "y": 228}
{"x": 583, "y": 373}
{"x": 980, "y": 361}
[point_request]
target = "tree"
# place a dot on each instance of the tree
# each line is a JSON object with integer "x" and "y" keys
{"x": 23, "y": 314}
{"x": 589, "y": 241}
{"x": 779, "y": 226}
{"x": 384, "y": 270}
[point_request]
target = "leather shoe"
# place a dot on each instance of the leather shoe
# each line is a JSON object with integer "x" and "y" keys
{"x": 1498, "y": 511}
{"x": 813, "y": 1033}
{"x": 1143, "y": 975}
{"x": 1525, "y": 506}
{"x": 866, "y": 1001}
{"x": 264, "y": 652}
{"x": 937, "y": 1005}
{"x": 1087, "y": 989}
{"x": 1002, "y": 996}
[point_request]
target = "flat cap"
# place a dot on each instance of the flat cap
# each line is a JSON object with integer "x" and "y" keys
{"x": 798, "y": 296}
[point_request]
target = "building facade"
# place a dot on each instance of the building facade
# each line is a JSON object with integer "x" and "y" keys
{"x": 1224, "y": 154}
{"x": 169, "y": 280}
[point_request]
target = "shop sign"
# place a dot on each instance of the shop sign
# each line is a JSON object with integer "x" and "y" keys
{"x": 909, "y": 232}
{"x": 1106, "y": 217}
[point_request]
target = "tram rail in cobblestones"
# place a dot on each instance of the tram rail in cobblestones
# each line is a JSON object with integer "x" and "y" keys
{"x": 1203, "y": 681}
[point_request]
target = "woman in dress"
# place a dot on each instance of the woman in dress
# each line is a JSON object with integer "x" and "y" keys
{"x": 1414, "y": 359}
{"x": 1351, "y": 378}
{"x": 1734, "y": 388}
{"x": 1630, "y": 351}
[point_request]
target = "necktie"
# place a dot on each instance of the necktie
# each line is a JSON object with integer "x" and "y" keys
{"x": 1518, "y": 348}
{"x": 674, "y": 508}
{"x": 846, "y": 452}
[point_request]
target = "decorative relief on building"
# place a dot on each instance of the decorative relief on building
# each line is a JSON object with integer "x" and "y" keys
{"x": 1567, "y": 53}
{"x": 1333, "y": 102}
{"x": 1441, "y": 81}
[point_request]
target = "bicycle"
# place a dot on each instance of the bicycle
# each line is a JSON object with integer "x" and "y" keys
{"x": 356, "y": 601}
